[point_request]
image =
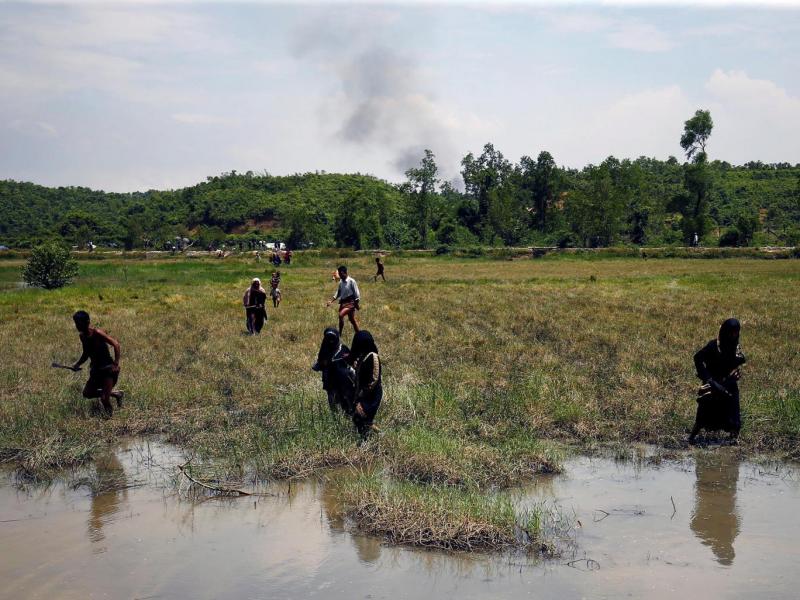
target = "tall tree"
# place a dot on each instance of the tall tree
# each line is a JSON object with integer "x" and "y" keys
{"x": 422, "y": 185}
{"x": 482, "y": 175}
{"x": 696, "y": 132}
{"x": 697, "y": 176}
{"x": 544, "y": 187}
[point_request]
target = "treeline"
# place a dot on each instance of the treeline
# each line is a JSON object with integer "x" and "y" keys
{"x": 533, "y": 202}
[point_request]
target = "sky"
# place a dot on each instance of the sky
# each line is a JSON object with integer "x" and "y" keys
{"x": 127, "y": 96}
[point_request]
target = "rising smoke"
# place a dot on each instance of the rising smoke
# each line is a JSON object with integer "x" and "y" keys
{"x": 384, "y": 100}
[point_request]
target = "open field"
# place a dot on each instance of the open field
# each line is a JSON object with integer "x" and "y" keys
{"x": 490, "y": 367}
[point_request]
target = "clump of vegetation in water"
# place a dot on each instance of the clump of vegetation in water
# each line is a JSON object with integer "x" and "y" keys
{"x": 440, "y": 516}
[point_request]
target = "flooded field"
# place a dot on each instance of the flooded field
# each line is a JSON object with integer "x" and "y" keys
{"x": 707, "y": 526}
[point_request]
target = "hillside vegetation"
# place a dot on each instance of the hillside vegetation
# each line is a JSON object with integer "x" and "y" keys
{"x": 643, "y": 202}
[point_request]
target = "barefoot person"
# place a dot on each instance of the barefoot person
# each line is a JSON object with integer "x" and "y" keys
{"x": 379, "y": 265}
{"x": 369, "y": 387}
{"x": 348, "y": 296}
{"x": 717, "y": 366}
{"x": 254, "y": 300}
{"x": 275, "y": 289}
{"x": 103, "y": 372}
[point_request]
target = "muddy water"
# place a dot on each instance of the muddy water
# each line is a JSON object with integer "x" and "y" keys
{"x": 119, "y": 530}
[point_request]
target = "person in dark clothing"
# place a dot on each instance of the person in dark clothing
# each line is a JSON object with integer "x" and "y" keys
{"x": 103, "y": 371}
{"x": 337, "y": 375}
{"x": 717, "y": 365}
{"x": 379, "y": 265}
{"x": 255, "y": 299}
{"x": 369, "y": 387}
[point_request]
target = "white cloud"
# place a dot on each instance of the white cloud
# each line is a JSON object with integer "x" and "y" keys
{"x": 628, "y": 33}
{"x": 754, "y": 119}
{"x": 644, "y": 123}
{"x": 634, "y": 34}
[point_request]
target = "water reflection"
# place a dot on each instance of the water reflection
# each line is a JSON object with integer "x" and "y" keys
{"x": 715, "y": 520}
{"x": 368, "y": 548}
{"x": 109, "y": 493}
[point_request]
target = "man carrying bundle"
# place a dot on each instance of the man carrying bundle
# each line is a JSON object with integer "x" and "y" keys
{"x": 348, "y": 296}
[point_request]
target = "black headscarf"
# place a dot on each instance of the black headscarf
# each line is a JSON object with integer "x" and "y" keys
{"x": 728, "y": 338}
{"x": 362, "y": 345}
{"x": 330, "y": 344}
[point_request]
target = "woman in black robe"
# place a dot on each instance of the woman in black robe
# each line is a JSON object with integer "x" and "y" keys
{"x": 337, "y": 374}
{"x": 255, "y": 298}
{"x": 369, "y": 386}
{"x": 717, "y": 366}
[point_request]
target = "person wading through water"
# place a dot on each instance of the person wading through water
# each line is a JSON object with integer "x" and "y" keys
{"x": 369, "y": 388}
{"x": 254, "y": 301}
{"x": 348, "y": 296}
{"x": 379, "y": 265}
{"x": 103, "y": 372}
{"x": 717, "y": 366}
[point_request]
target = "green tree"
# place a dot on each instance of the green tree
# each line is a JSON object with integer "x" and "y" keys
{"x": 358, "y": 224}
{"x": 79, "y": 227}
{"x": 306, "y": 222}
{"x": 697, "y": 175}
{"x": 50, "y": 266}
{"x": 696, "y": 132}
{"x": 595, "y": 208}
{"x": 482, "y": 175}
{"x": 539, "y": 183}
{"x": 422, "y": 188}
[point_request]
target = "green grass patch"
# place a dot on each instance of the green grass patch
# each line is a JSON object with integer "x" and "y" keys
{"x": 442, "y": 517}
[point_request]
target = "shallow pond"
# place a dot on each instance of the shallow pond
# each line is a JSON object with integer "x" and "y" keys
{"x": 732, "y": 533}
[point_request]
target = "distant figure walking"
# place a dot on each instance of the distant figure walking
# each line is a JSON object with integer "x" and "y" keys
{"x": 348, "y": 295}
{"x": 103, "y": 371}
{"x": 276, "y": 258}
{"x": 288, "y": 258}
{"x": 255, "y": 299}
{"x": 718, "y": 364}
{"x": 275, "y": 289}
{"x": 369, "y": 386}
{"x": 379, "y": 265}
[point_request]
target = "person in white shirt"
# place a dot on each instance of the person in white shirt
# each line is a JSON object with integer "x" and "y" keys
{"x": 348, "y": 296}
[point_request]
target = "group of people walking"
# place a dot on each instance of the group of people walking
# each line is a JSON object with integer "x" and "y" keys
{"x": 352, "y": 377}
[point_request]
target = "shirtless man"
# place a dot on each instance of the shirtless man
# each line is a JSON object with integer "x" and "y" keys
{"x": 348, "y": 296}
{"x": 103, "y": 372}
{"x": 379, "y": 265}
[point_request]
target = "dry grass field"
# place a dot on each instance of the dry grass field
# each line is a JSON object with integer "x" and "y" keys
{"x": 491, "y": 367}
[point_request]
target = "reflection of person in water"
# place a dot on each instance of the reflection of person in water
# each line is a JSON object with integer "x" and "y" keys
{"x": 368, "y": 549}
{"x": 715, "y": 520}
{"x": 108, "y": 494}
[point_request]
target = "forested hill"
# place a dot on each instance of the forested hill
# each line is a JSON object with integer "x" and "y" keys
{"x": 644, "y": 201}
